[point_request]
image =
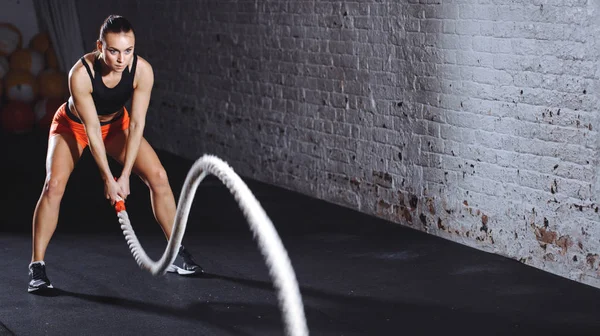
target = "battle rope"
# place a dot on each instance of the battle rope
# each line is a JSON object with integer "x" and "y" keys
{"x": 271, "y": 247}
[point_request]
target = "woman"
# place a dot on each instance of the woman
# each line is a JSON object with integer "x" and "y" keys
{"x": 95, "y": 116}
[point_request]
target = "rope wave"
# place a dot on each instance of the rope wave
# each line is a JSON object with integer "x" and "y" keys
{"x": 269, "y": 242}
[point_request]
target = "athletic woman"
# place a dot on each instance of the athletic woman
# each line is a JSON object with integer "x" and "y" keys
{"x": 94, "y": 116}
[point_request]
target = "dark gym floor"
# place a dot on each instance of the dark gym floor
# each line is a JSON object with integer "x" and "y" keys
{"x": 358, "y": 275}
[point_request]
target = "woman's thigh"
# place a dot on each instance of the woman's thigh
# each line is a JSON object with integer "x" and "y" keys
{"x": 147, "y": 165}
{"x": 63, "y": 154}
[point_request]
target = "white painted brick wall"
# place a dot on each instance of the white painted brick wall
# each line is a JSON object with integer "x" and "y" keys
{"x": 472, "y": 120}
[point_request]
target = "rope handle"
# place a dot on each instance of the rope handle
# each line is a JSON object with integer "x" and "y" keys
{"x": 120, "y": 205}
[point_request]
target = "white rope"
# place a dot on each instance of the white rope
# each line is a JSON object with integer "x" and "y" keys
{"x": 271, "y": 247}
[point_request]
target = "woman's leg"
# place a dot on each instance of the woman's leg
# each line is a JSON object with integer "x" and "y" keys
{"x": 149, "y": 168}
{"x": 63, "y": 153}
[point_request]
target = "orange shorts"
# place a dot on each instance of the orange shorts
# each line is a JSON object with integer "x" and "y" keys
{"x": 65, "y": 122}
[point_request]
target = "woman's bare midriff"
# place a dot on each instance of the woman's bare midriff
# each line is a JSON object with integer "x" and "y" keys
{"x": 102, "y": 118}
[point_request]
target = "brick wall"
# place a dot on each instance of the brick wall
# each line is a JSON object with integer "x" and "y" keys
{"x": 472, "y": 120}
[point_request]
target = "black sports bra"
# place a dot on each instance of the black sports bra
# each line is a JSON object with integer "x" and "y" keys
{"x": 110, "y": 100}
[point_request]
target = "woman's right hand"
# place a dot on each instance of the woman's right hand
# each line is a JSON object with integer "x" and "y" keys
{"x": 112, "y": 191}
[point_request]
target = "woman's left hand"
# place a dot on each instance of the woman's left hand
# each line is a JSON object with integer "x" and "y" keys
{"x": 123, "y": 182}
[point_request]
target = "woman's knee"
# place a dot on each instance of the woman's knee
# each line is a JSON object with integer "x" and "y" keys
{"x": 158, "y": 180}
{"x": 54, "y": 186}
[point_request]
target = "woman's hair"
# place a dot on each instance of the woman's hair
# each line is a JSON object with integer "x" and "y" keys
{"x": 114, "y": 24}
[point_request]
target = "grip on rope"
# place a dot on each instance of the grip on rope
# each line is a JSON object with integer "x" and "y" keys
{"x": 119, "y": 204}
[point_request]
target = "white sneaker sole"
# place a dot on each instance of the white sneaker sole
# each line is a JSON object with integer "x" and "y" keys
{"x": 33, "y": 289}
{"x": 179, "y": 270}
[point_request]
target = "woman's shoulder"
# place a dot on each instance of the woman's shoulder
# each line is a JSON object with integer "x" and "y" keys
{"x": 90, "y": 57}
{"x": 143, "y": 64}
{"x": 143, "y": 70}
{"x": 79, "y": 68}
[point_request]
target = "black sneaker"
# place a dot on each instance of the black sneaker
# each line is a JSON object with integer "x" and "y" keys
{"x": 188, "y": 264}
{"x": 37, "y": 277}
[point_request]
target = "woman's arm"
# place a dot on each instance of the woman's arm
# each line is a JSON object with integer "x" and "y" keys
{"x": 139, "y": 107}
{"x": 80, "y": 88}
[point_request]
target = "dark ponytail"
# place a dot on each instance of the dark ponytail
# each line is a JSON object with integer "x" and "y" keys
{"x": 114, "y": 24}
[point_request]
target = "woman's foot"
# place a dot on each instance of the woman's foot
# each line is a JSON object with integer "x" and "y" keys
{"x": 187, "y": 262}
{"x": 37, "y": 277}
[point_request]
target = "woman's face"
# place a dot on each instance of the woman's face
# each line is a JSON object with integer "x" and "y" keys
{"x": 117, "y": 50}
